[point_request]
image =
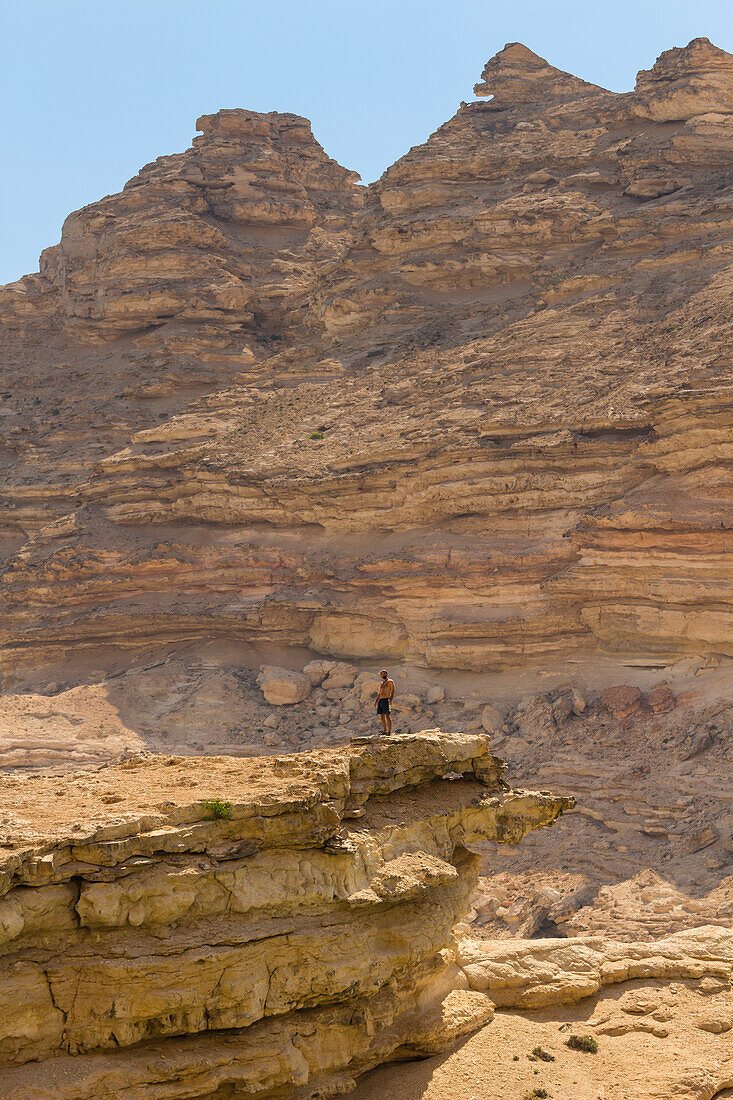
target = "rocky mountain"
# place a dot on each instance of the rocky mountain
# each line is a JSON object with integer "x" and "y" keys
{"x": 475, "y": 416}
{"x": 265, "y": 430}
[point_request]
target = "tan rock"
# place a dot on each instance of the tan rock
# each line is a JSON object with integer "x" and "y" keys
{"x": 533, "y": 973}
{"x": 340, "y": 677}
{"x": 152, "y": 923}
{"x": 683, "y": 83}
{"x": 581, "y": 516}
{"x": 491, "y": 719}
{"x": 317, "y": 671}
{"x": 579, "y": 701}
{"x": 283, "y": 686}
{"x": 717, "y": 1023}
{"x": 661, "y": 699}
{"x": 367, "y": 685}
{"x": 551, "y": 500}
{"x": 407, "y": 701}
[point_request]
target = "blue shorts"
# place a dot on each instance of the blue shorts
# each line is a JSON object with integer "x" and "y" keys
{"x": 383, "y": 706}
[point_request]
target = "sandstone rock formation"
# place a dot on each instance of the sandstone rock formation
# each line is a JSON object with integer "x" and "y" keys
{"x": 227, "y": 233}
{"x": 286, "y": 924}
{"x": 494, "y": 428}
{"x": 472, "y": 421}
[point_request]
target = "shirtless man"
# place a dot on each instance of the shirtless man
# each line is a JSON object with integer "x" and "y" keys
{"x": 383, "y": 702}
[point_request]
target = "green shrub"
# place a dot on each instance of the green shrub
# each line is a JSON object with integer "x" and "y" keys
{"x": 536, "y": 1094}
{"x": 586, "y": 1043}
{"x": 543, "y": 1055}
{"x": 217, "y": 808}
{"x": 316, "y": 435}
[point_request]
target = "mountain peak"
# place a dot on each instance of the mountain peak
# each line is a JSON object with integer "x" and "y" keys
{"x": 687, "y": 81}
{"x": 518, "y": 75}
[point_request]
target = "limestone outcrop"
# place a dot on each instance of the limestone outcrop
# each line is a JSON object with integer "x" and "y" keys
{"x": 286, "y": 925}
{"x": 474, "y": 416}
{"x": 264, "y": 431}
{"x": 532, "y": 974}
{"x": 228, "y": 233}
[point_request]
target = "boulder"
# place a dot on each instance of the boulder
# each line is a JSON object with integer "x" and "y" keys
{"x": 661, "y": 699}
{"x": 367, "y": 685}
{"x": 317, "y": 671}
{"x": 435, "y": 694}
{"x": 562, "y": 707}
{"x": 491, "y": 719}
{"x": 621, "y": 701}
{"x": 407, "y": 701}
{"x": 283, "y": 686}
{"x": 579, "y": 701}
{"x": 341, "y": 676}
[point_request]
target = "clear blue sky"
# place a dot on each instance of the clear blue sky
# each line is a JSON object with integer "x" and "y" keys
{"x": 93, "y": 89}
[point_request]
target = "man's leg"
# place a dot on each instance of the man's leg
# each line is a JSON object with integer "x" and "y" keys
{"x": 384, "y": 722}
{"x": 389, "y": 722}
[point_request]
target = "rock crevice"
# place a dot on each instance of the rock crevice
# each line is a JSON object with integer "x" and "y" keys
{"x": 314, "y": 914}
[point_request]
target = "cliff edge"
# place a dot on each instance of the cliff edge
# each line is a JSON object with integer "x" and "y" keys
{"x": 288, "y": 926}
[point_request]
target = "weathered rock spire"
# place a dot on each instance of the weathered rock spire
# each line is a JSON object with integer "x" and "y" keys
{"x": 517, "y": 75}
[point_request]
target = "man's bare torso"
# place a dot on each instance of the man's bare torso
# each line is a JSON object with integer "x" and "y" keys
{"x": 386, "y": 689}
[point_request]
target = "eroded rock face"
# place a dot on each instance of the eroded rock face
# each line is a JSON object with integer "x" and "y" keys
{"x": 475, "y": 416}
{"x": 228, "y": 232}
{"x": 301, "y": 936}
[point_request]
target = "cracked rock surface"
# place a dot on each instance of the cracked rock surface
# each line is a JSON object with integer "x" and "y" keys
{"x": 286, "y": 924}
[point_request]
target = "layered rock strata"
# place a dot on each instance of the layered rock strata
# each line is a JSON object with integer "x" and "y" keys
{"x": 227, "y": 233}
{"x": 286, "y": 929}
{"x": 493, "y": 430}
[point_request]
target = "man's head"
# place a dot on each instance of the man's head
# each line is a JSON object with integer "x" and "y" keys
{"x": 383, "y": 674}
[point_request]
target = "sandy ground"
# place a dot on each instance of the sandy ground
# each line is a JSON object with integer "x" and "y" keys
{"x": 39, "y": 807}
{"x": 636, "y": 1065}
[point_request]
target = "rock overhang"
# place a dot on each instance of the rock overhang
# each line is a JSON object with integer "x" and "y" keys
{"x": 327, "y": 883}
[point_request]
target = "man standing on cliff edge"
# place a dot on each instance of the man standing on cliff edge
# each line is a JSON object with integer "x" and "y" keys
{"x": 383, "y": 702}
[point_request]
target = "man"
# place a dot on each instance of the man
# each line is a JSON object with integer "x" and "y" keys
{"x": 383, "y": 702}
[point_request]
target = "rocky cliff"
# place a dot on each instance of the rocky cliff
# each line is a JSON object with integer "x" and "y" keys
{"x": 275, "y": 931}
{"x": 477, "y": 415}
{"x": 229, "y": 233}
{"x": 264, "y": 430}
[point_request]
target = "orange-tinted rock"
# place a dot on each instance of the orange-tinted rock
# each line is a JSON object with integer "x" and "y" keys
{"x": 621, "y": 701}
{"x": 661, "y": 699}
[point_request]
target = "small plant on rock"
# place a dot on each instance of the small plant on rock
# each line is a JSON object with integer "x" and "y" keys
{"x": 218, "y": 809}
{"x": 536, "y": 1094}
{"x": 316, "y": 435}
{"x": 543, "y": 1055}
{"x": 586, "y": 1043}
